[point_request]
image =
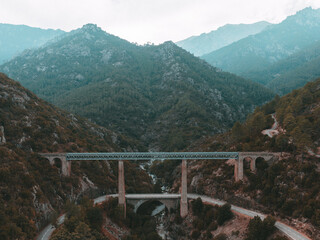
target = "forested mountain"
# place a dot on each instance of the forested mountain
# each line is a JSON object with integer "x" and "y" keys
{"x": 223, "y": 36}
{"x": 161, "y": 95}
{"x": 277, "y": 42}
{"x": 285, "y": 188}
{"x": 292, "y": 72}
{"x": 30, "y": 188}
{"x": 16, "y": 38}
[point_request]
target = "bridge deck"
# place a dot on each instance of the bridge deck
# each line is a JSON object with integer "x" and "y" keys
{"x": 151, "y": 156}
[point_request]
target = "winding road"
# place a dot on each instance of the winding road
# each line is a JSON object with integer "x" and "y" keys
{"x": 288, "y": 231}
{"x": 272, "y": 131}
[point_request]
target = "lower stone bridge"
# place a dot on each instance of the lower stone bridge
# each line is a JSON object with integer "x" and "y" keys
{"x": 239, "y": 157}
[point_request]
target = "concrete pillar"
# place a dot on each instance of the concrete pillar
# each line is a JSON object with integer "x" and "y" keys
{"x": 253, "y": 164}
{"x": 236, "y": 177}
{"x": 238, "y": 169}
{"x": 69, "y": 168}
{"x": 121, "y": 188}
{"x": 64, "y": 166}
{"x": 184, "y": 198}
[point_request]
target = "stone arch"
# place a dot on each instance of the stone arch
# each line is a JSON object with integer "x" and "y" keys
{"x": 259, "y": 161}
{"x": 57, "y": 162}
{"x": 249, "y": 162}
{"x": 238, "y": 168}
{"x": 168, "y": 203}
{"x": 56, "y": 159}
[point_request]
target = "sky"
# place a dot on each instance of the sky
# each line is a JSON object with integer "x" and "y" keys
{"x": 148, "y": 21}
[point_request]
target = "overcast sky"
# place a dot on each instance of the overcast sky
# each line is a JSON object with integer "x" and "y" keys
{"x": 144, "y": 21}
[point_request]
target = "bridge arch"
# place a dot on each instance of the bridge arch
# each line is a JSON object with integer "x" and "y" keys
{"x": 59, "y": 160}
{"x": 168, "y": 203}
{"x": 253, "y": 156}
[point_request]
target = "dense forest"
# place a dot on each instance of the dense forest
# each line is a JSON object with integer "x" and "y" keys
{"x": 285, "y": 188}
{"x": 160, "y": 95}
{"x": 276, "y": 42}
{"x": 292, "y": 72}
{"x": 32, "y": 191}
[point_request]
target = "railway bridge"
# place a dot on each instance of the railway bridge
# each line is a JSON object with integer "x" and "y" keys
{"x": 66, "y": 159}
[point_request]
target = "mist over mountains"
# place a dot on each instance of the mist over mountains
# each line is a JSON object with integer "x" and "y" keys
{"x": 161, "y": 95}
{"x": 119, "y": 96}
{"x": 16, "y": 38}
{"x": 277, "y": 42}
{"x": 223, "y": 36}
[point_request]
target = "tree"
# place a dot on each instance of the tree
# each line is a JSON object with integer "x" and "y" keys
{"x": 237, "y": 131}
{"x": 94, "y": 217}
{"x": 260, "y": 230}
{"x": 224, "y": 213}
{"x": 197, "y": 206}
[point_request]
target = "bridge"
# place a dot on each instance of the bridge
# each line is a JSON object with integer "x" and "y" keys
{"x": 67, "y": 158}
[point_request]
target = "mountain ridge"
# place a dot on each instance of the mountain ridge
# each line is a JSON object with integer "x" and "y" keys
{"x": 223, "y": 36}
{"x": 121, "y": 85}
{"x": 277, "y": 42}
{"x": 17, "y": 38}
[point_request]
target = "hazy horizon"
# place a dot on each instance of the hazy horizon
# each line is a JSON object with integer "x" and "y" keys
{"x": 148, "y": 21}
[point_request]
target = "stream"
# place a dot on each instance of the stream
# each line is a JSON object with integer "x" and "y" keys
{"x": 159, "y": 211}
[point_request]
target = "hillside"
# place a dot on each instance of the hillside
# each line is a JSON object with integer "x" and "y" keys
{"x": 160, "y": 95}
{"x": 292, "y": 72}
{"x": 31, "y": 190}
{"x": 284, "y": 188}
{"x": 223, "y": 36}
{"x": 14, "y": 39}
{"x": 257, "y": 52}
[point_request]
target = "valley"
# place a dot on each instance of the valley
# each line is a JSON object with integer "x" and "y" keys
{"x": 213, "y": 137}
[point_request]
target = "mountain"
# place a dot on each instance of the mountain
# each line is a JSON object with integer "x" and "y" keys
{"x": 161, "y": 95}
{"x": 16, "y": 38}
{"x": 257, "y": 52}
{"x": 285, "y": 188}
{"x": 31, "y": 190}
{"x": 223, "y": 36}
{"x": 292, "y": 72}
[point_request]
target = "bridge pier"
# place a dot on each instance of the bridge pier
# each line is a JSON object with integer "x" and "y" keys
{"x": 253, "y": 164}
{"x": 121, "y": 188}
{"x": 184, "y": 198}
{"x": 238, "y": 169}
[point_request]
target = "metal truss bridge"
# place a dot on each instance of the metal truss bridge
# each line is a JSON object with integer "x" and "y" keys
{"x": 151, "y": 156}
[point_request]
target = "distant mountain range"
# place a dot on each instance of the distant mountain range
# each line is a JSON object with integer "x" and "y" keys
{"x": 223, "y": 36}
{"x": 16, "y": 38}
{"x": 161, "y": 95}
{"x": 264, "y": 50}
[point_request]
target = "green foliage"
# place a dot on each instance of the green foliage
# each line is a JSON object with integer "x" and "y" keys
{"x": 82, "y": 222}
{"x": 208, "y": 217}
{"x": 143, "y": 227}
{"x": 137, "y": 90}
{"x": 29, "y": 185}
{"x": 260, "y": 230}
{"x": 297, "y": 112}
{"x": 197, "y": 206}
{"x": 224, "y": 214}
{"x": 258, "y": 57}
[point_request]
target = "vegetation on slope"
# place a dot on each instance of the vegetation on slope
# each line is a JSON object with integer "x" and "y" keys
{"x": 284, "y": 188}
{"x": 223, "y": 36}
{"x": 292, "y": 72}
{"x": 30, "y": 188}
{"x": 256, "y": 52}
{"x": 160, "y": 95}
